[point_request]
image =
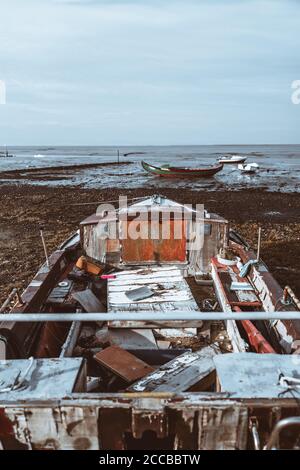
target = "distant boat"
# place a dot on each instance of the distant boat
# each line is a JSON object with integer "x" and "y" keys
{"x": 232, "y": 159}
{"x": 180, "y": 172}
{"x": 6, "y": 154}
{"x": 133, "y": 153}
{"x": 248, "y": 168}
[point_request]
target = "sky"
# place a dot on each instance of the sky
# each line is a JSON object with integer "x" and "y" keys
{"x": 153, "y": 72}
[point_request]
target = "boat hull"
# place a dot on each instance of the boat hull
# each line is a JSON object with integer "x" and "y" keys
{"x": 233, "y": 162}
{"x": 172, "y": 172}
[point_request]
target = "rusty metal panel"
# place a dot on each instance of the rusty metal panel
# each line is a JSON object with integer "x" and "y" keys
{"x": 152, "y": 246}
{"x": 123, "y": 363}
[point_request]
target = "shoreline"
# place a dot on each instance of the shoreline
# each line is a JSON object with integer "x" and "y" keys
{"x": 25, "y": 173}
{"x": 25, "y": 208}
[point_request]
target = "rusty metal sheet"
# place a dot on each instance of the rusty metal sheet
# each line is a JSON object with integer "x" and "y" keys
{"x": 123, "y": 363}
{"x": 151, "y": 246}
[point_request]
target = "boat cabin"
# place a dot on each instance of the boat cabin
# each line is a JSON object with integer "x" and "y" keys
{"x": 155, "y": 231}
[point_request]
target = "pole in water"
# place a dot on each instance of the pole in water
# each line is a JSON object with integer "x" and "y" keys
{"x": 258, "y": 244}
{"x": 118, "y": 156}
{"x": 44, "y": 246}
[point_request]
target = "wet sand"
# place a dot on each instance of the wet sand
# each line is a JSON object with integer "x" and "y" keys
{"x": 42, "y": 174}
{"x": 24, "y": 208}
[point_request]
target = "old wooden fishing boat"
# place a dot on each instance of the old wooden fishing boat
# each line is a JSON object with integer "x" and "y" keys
{"x": 180, "y": 172}
{"x": 178, "y": 338}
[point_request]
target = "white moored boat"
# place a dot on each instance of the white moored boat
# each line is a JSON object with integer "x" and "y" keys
{"x": 249, "y": 168}
{"x": 233, "y": 159}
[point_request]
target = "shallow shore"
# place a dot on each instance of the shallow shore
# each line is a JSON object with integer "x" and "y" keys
{"x": 24, "y": 209}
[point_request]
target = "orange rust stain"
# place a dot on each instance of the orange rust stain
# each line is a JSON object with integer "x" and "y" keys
{"x": 161, "y": 242}
{"x": 6, "y": 426}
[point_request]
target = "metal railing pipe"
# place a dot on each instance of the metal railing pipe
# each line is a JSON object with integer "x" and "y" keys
{"x": 147, "y": 316}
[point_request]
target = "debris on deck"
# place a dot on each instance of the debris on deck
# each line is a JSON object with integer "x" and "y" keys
{"x": 170, "y": 293}
{"x": 89, "y": 302}
{"x": 59, "y": 294}
{"x": 132, "y": 339}
{"x": 140, "y": 293}
{"x": 180, "y": 374}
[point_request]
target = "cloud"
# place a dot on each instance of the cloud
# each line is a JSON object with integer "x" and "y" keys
{"x": 189, "y": 71}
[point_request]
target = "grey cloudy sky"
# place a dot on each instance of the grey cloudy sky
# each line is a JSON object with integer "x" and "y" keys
{"x": 149, "y": 72}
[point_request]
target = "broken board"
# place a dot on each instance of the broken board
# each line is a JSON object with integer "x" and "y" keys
{"x": 132, "y": 339}
{"x": 89, "y": 302}
{"x": 180, "y": 374}
{"x": 122, "y": 363}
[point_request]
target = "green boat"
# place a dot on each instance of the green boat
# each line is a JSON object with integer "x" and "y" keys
{"x": 180, "y": 172}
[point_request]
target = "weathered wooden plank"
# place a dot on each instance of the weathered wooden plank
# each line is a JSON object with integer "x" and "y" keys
{"x": 77, "y": 427}
{"x": 238, "y": 344}
{"x": 42, "y": 428}
{"x": 17, "y": 418}
{"x": 149, "y": 271}
{"x": 176, "y": 294}
{"x": 178, "y": 332}
{"x": 2, "y": 349}
{"x": 222, "y": 428}
{"x": 89, "y": 302}
{"x": 42, "y": 283}
{"x": 179, "y": 374}
{"x": 132, "y": 339}
{"x": 163, "y": 285}
{"x": 190, "y": 306}
{"x": 123, "y": 363}
{"x": 143, "y": 280}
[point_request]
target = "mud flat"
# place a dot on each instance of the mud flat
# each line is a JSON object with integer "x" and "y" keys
{"x": 59, "y": 172}
{"x": 24, "y": 208}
